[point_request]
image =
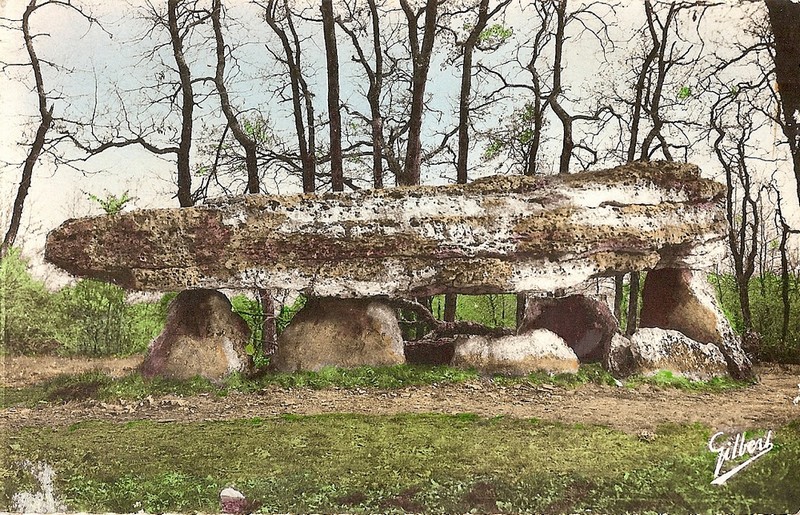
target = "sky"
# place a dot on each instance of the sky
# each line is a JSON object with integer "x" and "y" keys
{"x": 89, "y": 52}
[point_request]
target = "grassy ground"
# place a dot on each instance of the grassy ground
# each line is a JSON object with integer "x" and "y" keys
{"x": 96, "y": 385}
{"x": 432, "y": 463}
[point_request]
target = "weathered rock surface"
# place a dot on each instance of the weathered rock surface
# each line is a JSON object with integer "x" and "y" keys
{"x": 682, "y": 300}
{"x": 665, "y": 349}
{"x": 618, "y": 357}
{"x": 343, "y": 333}
{"x": 538, "y": 350}
{"x": 202, "y": 336}
{"x": 585, "y": 324}
{"x": 498, "y": 234}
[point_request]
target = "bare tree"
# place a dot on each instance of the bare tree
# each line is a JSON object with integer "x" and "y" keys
{"x": 45, "y": 108}
{"x": 465, "y": 98}
{"x": 784, "y": 17}
{"x": 332, "y": 62}
{"x": 375, "y": 74}
{"x": 280, "y": 19}
{"x": 421, "y": 52}
{"x": 247, "y": 141}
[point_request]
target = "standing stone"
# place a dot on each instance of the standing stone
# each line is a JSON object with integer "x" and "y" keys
{"x": 656, "y": 349}
{"x": 682, "y": 300}
{"x": 618, "y": 358}
{"x": 519, "y": 355}
{"x": 585, "y": 324}
{"x": 342, "y": 333}
{"x": 202, "y": 336}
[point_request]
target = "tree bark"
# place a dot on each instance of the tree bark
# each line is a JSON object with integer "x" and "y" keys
{"x": 45, "y": 121}
{"x": 784, "y": 17}
{"x": 300, "y": 93}
{"x": 421, "y": 59}
{"x": 187, "y": 106}
{"x": 633, "y": 304}
{"x": 245, "y": 140}
{"x": 332, "y": 61}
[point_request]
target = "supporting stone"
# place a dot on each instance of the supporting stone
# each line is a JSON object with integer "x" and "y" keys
{"x": 585, "y": 324}
{"x": 618, "y": 358}
{"x": 202, "y": 337}
{"x": 342, "y": 333}
{"x": 682, "y": 300}
{"x": 656, "y": 349}
{"x": 538, "y": 350}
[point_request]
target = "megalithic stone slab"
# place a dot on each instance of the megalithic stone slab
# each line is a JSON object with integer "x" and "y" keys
{"x": 498, "y": 234}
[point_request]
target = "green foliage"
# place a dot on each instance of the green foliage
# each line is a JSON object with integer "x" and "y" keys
{"x": 665, "y": 378}
{"x": 26, "y": 324}
{"x": 494, "y": 310}
{"x": 99, "y": 321}
{"x": 684, "y": 93}
{"x": 89, "y": 317}
{"x": 494, "y": 35}
{"x": 767, "y": 310}
{"x": 112, "y": 204}
{"x": 493, "y": 149}
{"x": 422, "y": 463}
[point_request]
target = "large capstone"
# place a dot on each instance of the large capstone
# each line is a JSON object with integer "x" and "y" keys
{"x": 343, "y": 333}
{"x": 498, "y": 234}
{"x": 202, "y": 337}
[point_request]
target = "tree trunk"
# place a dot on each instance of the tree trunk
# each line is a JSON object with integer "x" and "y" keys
{"x": 784, "y": 17}
{"x": 522, "y": 301}
{"x": 299, "y": 91}
{"x": 245, "y": 140}
{"x": 450, "y": 305}
{"x": 187, "y": 107}
{"x": 45, "y": 121}
{"x": 633, "y": 304}
{"x": 269, "y": 337}
{"x": 421, "y": 58}
{"x": 332, "y": 60}
{"x": 619, "y": 284}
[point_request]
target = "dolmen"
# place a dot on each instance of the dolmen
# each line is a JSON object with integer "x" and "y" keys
{"x": 350, "y": 252}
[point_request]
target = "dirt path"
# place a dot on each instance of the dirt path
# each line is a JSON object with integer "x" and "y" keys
{"x": 762, "y": 406}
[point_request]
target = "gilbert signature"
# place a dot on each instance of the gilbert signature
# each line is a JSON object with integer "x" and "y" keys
{"x": 733, "y": 449}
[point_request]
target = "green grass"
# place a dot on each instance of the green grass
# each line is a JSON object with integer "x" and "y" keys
{"x": 432, "y": 463}
{"x": 96, "y": 385}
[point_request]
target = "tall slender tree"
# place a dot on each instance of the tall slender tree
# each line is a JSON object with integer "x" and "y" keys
{"x": 421, "y": 52}
{"x": 332, "y": 66}
{"x": 45, "y": 109}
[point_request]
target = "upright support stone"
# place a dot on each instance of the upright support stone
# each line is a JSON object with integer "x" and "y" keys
{"x": 682, "y": 300}
{"x": 585, "y": 324}
{"x": 202, "y": 337}
{"x": 343, "y": 333}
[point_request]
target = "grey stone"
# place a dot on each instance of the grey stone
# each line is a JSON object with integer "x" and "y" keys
{"x": 495, "y": 235}
{"x": 202, "y": 337}
{"x": 343, "y": 333}
{"x": 682, "y": 300}
{"x": 538, "y": 350}
{"x": 657, "y": 349}
{"x": 585, "y": 324}
{"x": 618, "y": 359}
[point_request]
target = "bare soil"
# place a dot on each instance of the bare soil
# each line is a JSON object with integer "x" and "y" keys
{"x": 765, "y": 405}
